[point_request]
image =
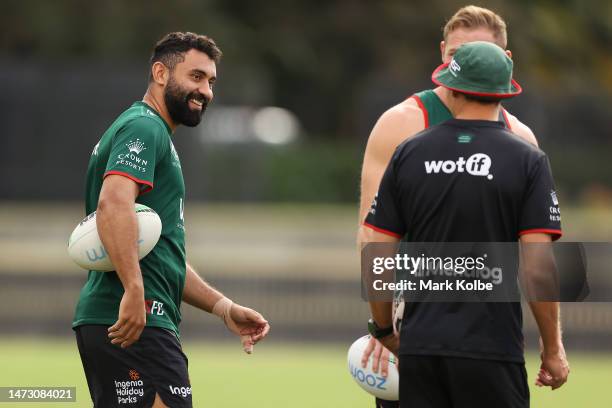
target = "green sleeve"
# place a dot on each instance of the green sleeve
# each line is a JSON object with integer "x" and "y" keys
{"x": 136, "y": 148}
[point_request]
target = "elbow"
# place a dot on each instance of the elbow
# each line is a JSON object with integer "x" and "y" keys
{"x": 110, "y": 205}
{"x": 540, "y": 285}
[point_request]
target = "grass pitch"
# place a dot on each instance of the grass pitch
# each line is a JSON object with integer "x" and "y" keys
{"x": 276, "y": 375}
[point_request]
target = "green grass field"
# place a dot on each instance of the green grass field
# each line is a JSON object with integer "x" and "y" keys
{"x": 277, "y": 375}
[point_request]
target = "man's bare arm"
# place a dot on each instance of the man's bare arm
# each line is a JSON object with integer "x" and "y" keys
{"x": 118, "y": 230}
{"x": 555, "y": 368}
{"x": 198, "y": 293}
{"x": 382, "y": 312}
{"x": 521, "y": 130}
{"x": 393, "y": 127}
{"x": 246, "y": 323}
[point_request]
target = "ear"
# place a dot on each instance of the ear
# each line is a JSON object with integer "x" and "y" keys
{"x": 442, "y": 49}
{"x": 160, "y": 73}
{"x": 509, "y": 54}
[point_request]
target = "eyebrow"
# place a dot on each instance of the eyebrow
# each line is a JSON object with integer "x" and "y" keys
{"x": 204, "y": 73}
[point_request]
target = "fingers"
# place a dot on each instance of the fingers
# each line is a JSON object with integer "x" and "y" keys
{"x": 262, "y": 333}
{"x": 384, "y": 362}
{"x": 125, "y": 333}
{"x": 376, "y": 360}
{"x": 247, "y": 344}
{"x": 368, "y": 352}
{"x": 256, "y": 333}
{"x": 545, "y": 379}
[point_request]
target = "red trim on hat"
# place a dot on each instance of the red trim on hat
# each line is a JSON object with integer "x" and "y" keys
{"x": 423, "y": 109}
{"x": 495, "y": 95}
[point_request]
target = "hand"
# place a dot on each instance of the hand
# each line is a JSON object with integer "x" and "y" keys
{"x": 249, "y": 325}
{"x": 380, "y": 359}
{"x": 132, "y": 319}
{"x": 554, "y": 368}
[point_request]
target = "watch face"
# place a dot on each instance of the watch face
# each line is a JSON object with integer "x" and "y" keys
{"x": 372, "y": 327}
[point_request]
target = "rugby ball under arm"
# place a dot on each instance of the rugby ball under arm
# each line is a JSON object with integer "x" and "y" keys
{"x": 86, "y": 249}
{"x": 371, "y": 382}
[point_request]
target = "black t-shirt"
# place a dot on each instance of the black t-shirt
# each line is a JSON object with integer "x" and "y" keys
{"x": 465, "y": 181}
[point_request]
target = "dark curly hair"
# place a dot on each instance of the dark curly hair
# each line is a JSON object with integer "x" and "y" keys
{"x": 171, "y": 49}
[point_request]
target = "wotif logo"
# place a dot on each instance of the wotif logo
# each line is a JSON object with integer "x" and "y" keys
{"x": 477, "y": 164}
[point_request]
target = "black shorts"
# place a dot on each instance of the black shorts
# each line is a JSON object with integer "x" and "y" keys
{"x": 380, "y": 403}
{"x": 131, "y": 377}
{"x": 455, "y": 382}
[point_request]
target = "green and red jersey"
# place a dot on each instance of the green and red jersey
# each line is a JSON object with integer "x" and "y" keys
{"x": 138, "y": 146}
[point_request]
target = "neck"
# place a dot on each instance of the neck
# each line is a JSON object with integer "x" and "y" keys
{"x": 157, "y": 103}
{"x": 477, "y": 111}
{"x": 467, "y": 109}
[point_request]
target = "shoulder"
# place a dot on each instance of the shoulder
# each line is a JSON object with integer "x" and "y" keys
{"x": 150, "y": 124}
{"x": 398, "y": 123}
{"x": 520, "y": 129}
{"x": 144, "y": 127}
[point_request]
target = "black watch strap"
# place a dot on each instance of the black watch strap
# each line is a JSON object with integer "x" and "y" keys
{"x": 377, "y": 332}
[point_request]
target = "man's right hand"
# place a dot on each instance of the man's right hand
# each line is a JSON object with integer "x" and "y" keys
{"x": 132, "y": 319}
{"x": 554, "y": 369}
{"x": 381, "y": 357}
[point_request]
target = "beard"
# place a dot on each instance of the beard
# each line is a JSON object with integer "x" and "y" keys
{"x": 177, "y": 103}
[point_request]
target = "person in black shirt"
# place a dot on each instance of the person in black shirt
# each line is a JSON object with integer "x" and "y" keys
{"x": 468, "y": 180}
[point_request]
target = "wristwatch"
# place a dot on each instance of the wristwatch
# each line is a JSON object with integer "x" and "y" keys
{"x": 377, "y": 332}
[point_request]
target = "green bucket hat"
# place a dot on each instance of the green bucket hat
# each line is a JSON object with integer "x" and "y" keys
{"x": 478, "y": 68}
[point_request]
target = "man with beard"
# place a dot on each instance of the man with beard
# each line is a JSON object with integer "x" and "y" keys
{"x": 126, "y": 321}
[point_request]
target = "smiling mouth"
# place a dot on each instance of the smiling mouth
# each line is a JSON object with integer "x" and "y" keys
{"x": 197, "y": 103}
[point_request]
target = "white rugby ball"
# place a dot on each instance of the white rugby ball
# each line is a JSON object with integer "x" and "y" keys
{"x": 373, "y": 383}
{"x": 86, "y": 249}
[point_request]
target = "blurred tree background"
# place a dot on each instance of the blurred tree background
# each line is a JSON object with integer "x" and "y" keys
{"x": 69, "y": 67}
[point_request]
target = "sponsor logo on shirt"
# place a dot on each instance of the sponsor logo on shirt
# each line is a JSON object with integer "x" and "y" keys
{"x": 553, "y": 196}
{"x": 131, "y": 159}
{"x": 154, "y": 307}
{"x": 478, "y": 164}
{"x": 374, "y": 204}
{"x": 95, "y": 149}
{"x": 136, "y": 146}
{"x": 555, "y": 213}
{"x": 464, "y": 138}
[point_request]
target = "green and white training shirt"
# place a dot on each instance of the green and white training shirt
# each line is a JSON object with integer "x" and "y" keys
{"x": 138, "y": 146}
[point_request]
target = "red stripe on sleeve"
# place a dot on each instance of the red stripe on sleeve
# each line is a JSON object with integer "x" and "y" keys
{"x": 556, "y": 233}
{"x": 147, "y": 184}
{"x": 382, "y": 231}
